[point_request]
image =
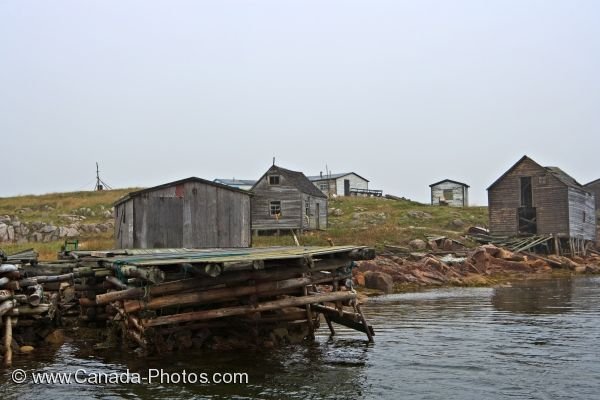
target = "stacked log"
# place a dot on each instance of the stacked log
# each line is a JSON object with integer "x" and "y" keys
{"x": 228, "y": 298}
{"x": 27, "y": 309}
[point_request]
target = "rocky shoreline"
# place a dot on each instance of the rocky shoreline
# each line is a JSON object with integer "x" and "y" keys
{"x": 482, "y": 266}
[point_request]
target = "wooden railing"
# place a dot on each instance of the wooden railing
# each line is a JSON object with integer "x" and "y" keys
{"x": 365, "y": 192}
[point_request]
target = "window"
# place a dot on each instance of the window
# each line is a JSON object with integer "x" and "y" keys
{"x": 307, "y": 206}
{"x": 542, "y": 180}
{"x": 448, "y": 194}
{"x": 323, "y": 186}
{"x": 273, "y": 179}
{"x": 275, "y": 208}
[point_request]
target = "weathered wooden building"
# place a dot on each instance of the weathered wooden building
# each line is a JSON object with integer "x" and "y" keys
{"x": 531, "y": 199}
{"x": 449, "y": 193}
{"x": 594, "y": 187}
{"x": 191, "y": 213}
{"x": 285, "y": 199}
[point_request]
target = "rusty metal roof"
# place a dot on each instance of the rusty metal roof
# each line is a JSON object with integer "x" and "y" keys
{"x": 175, "y": 183}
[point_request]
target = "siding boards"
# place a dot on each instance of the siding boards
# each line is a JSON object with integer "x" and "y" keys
{"x": 582, "y": 216}
{"x": 192, "y": 213}
{"x": 594, "y": 187}
{"x": 355, "y": 183}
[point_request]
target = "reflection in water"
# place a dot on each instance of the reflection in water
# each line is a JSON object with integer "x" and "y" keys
{"x": 537, "y": 296}
{"x": 459, "y": 343}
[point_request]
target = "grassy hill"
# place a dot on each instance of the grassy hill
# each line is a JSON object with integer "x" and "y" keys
{"x": 361, "y": 221}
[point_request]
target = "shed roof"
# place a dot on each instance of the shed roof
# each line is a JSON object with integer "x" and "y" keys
{"x": 558, "y": 173}
{"x": 314, "y": 178}
{"x": 235, "y": 182}
{"x": 592, "y": 183}
{"x": 179, "y": 182}
{"x": 295, "y": 178}
{"x": 449, "y": 180}
{"x": 564, "y": 177}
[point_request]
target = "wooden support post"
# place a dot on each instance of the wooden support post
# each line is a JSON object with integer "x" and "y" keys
{"x": 7, "y": 341}
{"x": 309, "y": 316}
{"x": 364, "y": 321}
{"x": 556, "y": 246}
{"x": 329, "y": 325}
{"x": 295, "y": 238}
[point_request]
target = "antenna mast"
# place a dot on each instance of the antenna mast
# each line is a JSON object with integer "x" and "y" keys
{"x": 100, "y": 184}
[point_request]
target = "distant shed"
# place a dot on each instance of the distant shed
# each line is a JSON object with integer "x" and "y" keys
{"x": 532, "y": 199}
{"x": 344, "y": 184}
{"x": 449, "y": 193}
{"x": 191, "y": 213}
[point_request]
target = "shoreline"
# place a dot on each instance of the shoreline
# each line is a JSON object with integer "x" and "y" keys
{"x": 484, "y": 266}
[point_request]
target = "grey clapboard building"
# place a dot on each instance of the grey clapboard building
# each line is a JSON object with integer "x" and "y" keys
{"x": 532, "y": 199}
{"x": 191, "y": 213}
{"x": 449, "y": 193}
{"x": 285, "y": 199}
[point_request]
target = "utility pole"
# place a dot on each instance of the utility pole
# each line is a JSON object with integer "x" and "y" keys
{"x": 100, "y": 184}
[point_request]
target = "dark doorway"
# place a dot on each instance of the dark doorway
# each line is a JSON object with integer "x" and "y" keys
{"x": 527, "y": 220}
{"x": 526, "y": 192}
{"x": 346, "y": 187}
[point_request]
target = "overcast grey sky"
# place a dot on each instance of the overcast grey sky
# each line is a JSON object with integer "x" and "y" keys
{"x": 404, "y": 93}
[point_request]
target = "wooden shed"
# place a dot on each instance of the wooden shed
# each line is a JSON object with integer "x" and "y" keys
{"x": 191, "y": 213}
{"x": 449, "y": 193}
{"x": 530, "y": 199}
{"x": 285, "y": 199}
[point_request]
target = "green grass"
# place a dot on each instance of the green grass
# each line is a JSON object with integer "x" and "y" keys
{"x": 363, "y": 221}
{"x": 377, "y": 222}
{"x": 47, "y": 207}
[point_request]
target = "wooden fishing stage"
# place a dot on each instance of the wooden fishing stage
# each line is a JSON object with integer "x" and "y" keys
{"x": 173, "y": 299}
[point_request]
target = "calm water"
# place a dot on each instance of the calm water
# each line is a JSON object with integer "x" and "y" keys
{"x": 536, "y": 340}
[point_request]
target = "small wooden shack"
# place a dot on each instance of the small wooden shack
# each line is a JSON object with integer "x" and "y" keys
{"x": 343, "y": 184}
{"x": 285, "y": 199}
{"x": 449, "y": 193}
{"x": 594, "y": 187}
{"x": 529, "y": 199}
{"x": 191, "y": 213}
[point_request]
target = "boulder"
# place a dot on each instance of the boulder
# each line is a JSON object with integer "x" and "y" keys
{"x": 417, "y": 244}
{"x": 48, "y": 229}
{"x": 72, "y": 232}
{"x": 3, "y": 232}
{"x": 379, "y": 280}
{"x": 56, "y": 337}
{"x": 457, "y": 223}
{"x": 359, "y": 279}
{"x": 26, "y": 349}
{"x": 419, "y": 214}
